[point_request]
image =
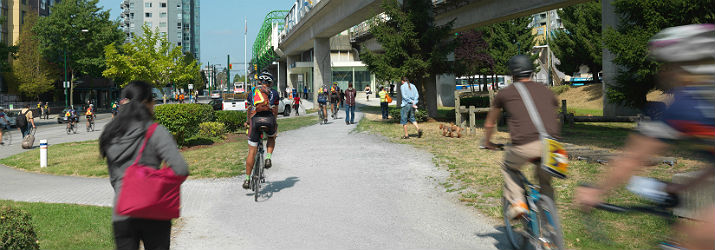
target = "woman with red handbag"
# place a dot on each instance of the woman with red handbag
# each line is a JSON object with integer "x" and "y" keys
{"x": 146, "y": 197}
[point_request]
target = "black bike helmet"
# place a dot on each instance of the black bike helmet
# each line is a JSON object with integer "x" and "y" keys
{"x": 266, "y": 77}
{"x": 520, "y": 66}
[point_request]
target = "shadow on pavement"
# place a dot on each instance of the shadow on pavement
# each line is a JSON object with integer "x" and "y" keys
{"x": 276, "y": 186}
{"x": 502, "y": 241}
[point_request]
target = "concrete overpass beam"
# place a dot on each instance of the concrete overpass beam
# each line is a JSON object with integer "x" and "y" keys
{"x": 321, "y": 65}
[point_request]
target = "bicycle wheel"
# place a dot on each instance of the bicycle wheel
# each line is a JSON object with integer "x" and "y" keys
{"x": 550, "y": 226}
{"x": 69, "y": 129}
{"x": 257, "y": 174}
{"x": 517, "y": 231}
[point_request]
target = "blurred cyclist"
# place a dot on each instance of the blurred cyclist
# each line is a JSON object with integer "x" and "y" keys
{"x": 688, "y": 73}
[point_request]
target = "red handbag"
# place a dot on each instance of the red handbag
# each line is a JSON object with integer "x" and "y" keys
{"x": 149, "y": 193}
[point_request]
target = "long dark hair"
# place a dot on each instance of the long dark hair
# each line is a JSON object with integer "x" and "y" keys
{"x": 133, "y": 109}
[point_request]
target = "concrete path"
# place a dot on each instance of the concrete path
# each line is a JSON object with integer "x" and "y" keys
{"x": 330, "y": 188}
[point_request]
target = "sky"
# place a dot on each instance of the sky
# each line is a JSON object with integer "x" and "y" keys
{"x": 222, "y": 26}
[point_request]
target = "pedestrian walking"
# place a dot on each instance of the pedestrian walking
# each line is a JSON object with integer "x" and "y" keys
{"x": 25, "y": 121}
{"x": 410, "y": 97}
{"x": 367, "y": 92}
{"x": 121, "y": 143}
{"x": 296, "y": 104}
{"x": 46, "y": 110}
{"x": 383, "y": 102}
{"x": 350, "y": 94}
{"x": 305, "y": 92}
{"x": 342, "y": 98}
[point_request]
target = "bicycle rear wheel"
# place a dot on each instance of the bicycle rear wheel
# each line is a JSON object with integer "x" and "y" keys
{"x": 517, "y": 231}
{"x": 69, "y": 129}
{"x": 257, "y": 174}
{"x": 550, "y": 226}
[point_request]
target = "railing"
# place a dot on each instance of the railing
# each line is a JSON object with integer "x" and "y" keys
{"x": 297, "y": 12}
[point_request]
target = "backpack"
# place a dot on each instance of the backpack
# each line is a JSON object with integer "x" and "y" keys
{"x": 322, "y": 98}
{"x": 261, "y": 99}
{"x": 21, "y": 120}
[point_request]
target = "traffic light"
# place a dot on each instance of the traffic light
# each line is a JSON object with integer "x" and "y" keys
{"x": 230, "y": 66}
{"x": 255, "y": 67}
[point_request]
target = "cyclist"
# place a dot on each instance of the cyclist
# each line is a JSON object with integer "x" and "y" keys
{"x": 262, "y": 111}
{"x": 688, "y": 70}
{"x": 3, "y": 124}
{"x": 115, "y": 107}
{"x": 334, "y": 100}
{"x": 322, "y": 102}
{"x": 89, "y": 114}
{"x": 524, "y": 135}
{"x": 72, "y": 117}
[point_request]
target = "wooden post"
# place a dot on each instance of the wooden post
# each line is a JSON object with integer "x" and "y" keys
{"x": 457, "y": 115}
{"x": 472, "y": 120}
{"x": 492, "y": 95}
{"x": 564, "y": 112}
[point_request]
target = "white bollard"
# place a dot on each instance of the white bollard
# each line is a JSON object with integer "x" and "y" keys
{"x": 43, "y": 153}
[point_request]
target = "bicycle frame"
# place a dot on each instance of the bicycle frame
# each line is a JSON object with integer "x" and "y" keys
{"x": 532, "y": 197}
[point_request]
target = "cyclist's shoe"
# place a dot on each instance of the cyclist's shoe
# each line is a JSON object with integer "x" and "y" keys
{"x": 419, "y": 133}
{"x": 246, "y": 184}
{"x": 517, "y": 210}
{"x": 268, "y": 163}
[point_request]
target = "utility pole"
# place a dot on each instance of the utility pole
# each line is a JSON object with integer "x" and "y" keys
{"x": 245, "y": 54}
{"x": 548, "y": 48}
{"x": 228, "y": 70}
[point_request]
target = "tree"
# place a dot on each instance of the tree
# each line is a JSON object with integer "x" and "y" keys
{"x": 413, "y": 47}
{"x": 581, "y": 41}
{"x": 33, "y": 73}
{"x": 507, "y": 39}
{"x": 471, "y": 55}
{"x": 239, "y": 78}
{"x": 82, "y": 30}
{"x": 151, "y": 58}
{"x": 639, "y": 21}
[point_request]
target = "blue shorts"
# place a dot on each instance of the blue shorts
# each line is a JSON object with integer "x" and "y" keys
{"x": 407, "y": 113}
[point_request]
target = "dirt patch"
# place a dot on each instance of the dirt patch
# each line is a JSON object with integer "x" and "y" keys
{"x": 229, "y": 138}
{"x": 591, "y": 96}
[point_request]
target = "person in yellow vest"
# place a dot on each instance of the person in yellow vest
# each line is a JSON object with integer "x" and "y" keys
{"x": 46, "y": 111}
{"x": 383, "y": 101}
{"x": 89, "y": 114}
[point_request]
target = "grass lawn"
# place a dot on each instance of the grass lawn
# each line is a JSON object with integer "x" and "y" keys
{"x": 64, "y": 226}
{"x": 476, "y": 177}
{"x": 223, "y": 159}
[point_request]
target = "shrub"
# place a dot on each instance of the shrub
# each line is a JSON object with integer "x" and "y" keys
{"x": 232, "y": 119}
{"x": 183, "y": 119}
{"x": 420, "y": 115}
{"x": 560, "y": 89}
{"x": 16, "y": 230}
{"x": 212, "y": 129}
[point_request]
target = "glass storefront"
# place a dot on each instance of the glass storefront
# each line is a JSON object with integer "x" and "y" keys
{"x": 359, "y": 76}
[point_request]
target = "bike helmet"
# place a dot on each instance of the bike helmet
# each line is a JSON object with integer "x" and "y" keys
{"x": 266, "y": 77}
{"x": 687, "y": 44}
{"x": 520, "y": 66}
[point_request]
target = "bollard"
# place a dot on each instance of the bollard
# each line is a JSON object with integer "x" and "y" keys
{"x": 43, "y": 153}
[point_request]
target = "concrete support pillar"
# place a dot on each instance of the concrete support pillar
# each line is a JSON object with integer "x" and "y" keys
{"x": 322, "y": 73}
{"x": 283, "y": 75}
{"x": 289, "y": 71}
{"x": 445, "y": 90}
{"x": 609, "y": 18}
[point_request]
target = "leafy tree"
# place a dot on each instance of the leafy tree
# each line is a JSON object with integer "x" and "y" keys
{"x": 82, "y": 29}
{"x": 413, "y": 47}
{"x": 471, "y": 55}
{"x": 507, "y": 39}
{"x": 151, "y": 58}
{"x": 581, "y": 41}
{"x": 639, "y": 21}
{"x": 33, "y": 73}
{"x": 239, "y": 78}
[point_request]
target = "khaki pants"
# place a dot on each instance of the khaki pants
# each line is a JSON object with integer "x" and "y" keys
{"x": 514, "y": 160}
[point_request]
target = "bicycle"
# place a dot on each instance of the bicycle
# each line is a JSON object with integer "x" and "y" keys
{"x": 540, "y": 226}
{"x": 71, "y": 127}
{"x": 90, "y": 128}
{"x": 257, "y": 176}
{"x": 321, "y": 115}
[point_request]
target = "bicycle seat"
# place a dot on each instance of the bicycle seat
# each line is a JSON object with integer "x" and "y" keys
{"x": 262, "y": 128}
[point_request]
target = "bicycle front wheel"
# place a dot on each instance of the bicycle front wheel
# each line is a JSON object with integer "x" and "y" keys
{"x": 550, "y": 226}
{"x": 69, "y": 129}
{"x": 517, "y": 230}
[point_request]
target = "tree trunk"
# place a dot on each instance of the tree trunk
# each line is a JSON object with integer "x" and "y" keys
{"x": 429, "y": 95}
{"x": 71, "y": 87}
{"x": 471, "y": 82}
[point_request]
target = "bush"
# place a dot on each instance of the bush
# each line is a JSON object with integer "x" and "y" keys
{"x": 212, "y": 129}
{"x": 16, "y": 230}
{"x": 420, "y": 115}
{"x": 183, "y": 119}
{"x": 232, "y": 119}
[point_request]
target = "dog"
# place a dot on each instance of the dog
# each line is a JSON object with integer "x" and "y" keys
{"x": 451, "y": 130}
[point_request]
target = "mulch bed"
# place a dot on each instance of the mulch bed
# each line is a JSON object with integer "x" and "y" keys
{"x": 229, "y": 138}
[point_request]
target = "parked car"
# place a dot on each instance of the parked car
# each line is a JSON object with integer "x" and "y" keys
{"x": 234, "y": 104}
{"x": 11, "y": 116}
{"x": 284, "y": 106}
{"x": 215, "y": 94}
{"x": 217, "y": 104}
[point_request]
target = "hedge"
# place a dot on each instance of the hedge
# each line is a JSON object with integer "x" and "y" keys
{"x": 16, "y": 230}
{"x": 420, "y": 115}
{"x": 212, "y": 130}
{"x": 183, "y": 119}
{"x": 232, "y": 119}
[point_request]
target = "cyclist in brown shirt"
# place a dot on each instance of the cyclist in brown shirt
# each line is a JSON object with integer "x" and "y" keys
{"x": 526, "y": 146}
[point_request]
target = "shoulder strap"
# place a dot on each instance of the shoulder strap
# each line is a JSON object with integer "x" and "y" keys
{"x": 531, "y": 108}
{"x": 148, "y": 134}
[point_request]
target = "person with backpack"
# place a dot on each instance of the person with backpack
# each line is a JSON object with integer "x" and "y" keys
{"x": 322, "y": 103}
{"x": 383, "y": 102}
{"x": 350, "y": 94}
{"x": 334, "y": 100}
{"x": 523, "y": 100}
{"x": 121, "y": 144}
{"x": 262, "y": 112}
{"x": 25, "y": 121}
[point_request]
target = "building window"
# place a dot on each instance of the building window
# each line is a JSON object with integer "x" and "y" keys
{"x": 131, "y": 5}
{"x": 178, "y": 25}
{"x": 162, "y": 24}
{"x": 147, "y": 5}
{"x": 178, "y": 6}
{"x": 131, "y": 25}
{"x": 131, "y": 15}
{"x": 163, "y": 5}
{"x": 162, "y": 15}
{"x": 148, "y": 14}
{"x": 179, "y": 44}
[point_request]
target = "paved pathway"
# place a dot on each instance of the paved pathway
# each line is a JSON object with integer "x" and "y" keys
{"x": 330, "y": 188}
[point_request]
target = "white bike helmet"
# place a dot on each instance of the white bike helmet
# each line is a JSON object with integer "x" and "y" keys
{"x": 685, "y": 44}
